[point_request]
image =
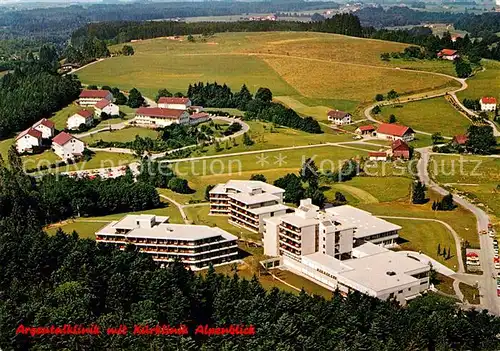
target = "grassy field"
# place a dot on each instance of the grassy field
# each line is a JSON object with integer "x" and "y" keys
{"x": 87, "y": 227}
{"x": 431, "y": 116}
{"x": 484, "y": 83}
{"x": 123, "y": 135}
{"x": 461, "y": 220}
{"x": 291, "y": 64}
{"x": 425, "y": 236}
{"x": 61, "y": 117}
{"x": 471, "y": 294}
{"x": 465, "y": 169}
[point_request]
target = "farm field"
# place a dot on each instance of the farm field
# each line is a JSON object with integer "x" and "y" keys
{"x": 86, "y": 227}
{"x": 431, "y": 116}
{"x": 484, "y": 83}
{"x": 461, "y": 220}
{"x": 465, "y": 169}
{"x": 123, "y": 135}
{"x": 292, "y": 64}
{"x": 425, "y": 236}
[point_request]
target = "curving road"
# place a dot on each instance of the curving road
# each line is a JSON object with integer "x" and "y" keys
{"x": 487, "y": 282}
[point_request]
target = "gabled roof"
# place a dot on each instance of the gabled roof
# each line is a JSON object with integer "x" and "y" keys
{"x": 173, "y": 100}
{"x": 62, "y": 138}
{"x": 160, "y": 112}
{"x": 460, "y": 139}
{"x": 44, "y": 122}
{"x": 366, "y": 128}
{"x": 394, "y": 129}
{"x": 400, "y": 145}
{"x": 30, "y": 131}
{"x": 84, "y": 113}
{"x": 377, "y": 154}
{"x": 338, "y": 114}
{"x": 448, "y": 52}
{"x": 94, "y": 93}
{"x": 488, "y": 100}
{"x": 199, "y": 115}
{"x": 102, "y": 103}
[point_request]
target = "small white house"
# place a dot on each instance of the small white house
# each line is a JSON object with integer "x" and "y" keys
{"x": 377, "y": 156}
{"x": 156, "y": 117}
{"x": 46, "y": 127}
{"x": 92, "y": 97}
{"x": 339, "y": 118}
{"x": 488, "y": 103}
{"x": 174, "y": 103}
{"x": 79, "y": 118}
{"x": 28, "y": 139}
{"x": 66, "y": 146}
{"x": 107, "y": 107}
{"x": 448, "y": 54}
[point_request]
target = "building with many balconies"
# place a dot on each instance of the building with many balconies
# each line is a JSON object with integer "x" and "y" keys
{"x": 195, "y": 245}
{"x": 247, "y": 203}
{"x": 343, "y": 248}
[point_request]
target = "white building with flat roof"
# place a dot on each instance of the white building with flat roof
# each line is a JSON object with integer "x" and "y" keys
{"x": 247, "y": 203}
{"x": 343, "y": 248}
{"x": 195, "y": 245}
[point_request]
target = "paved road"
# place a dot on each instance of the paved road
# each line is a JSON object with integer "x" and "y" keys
{"x": 487, "y": 282}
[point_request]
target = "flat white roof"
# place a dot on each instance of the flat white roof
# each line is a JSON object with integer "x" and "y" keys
{"x": 267, "y": 209}
{"x": 130, "y": 221}
{"x": 298, "y": 221}
{"x": 248, "y": 199}
{"x": 246, "y": 186}
{"x": 367, "y": 249}
{"x": 366, "y": 223}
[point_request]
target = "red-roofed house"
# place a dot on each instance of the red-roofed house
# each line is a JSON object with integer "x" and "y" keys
{"x": 377, "y": 156}
{"x": 28, "y": 139}
{"x": 81, "y": 117}
{"x": 448, "y": 54}
{"x": 46, "y": 127}
{"x": 160, "y": 117}
{"x": 460, "y": 139}
{"x": 198, "y": 117}
{"x": 488, "y": 103}
{"x": 391, "y": 131}
{"x": 339, "y": 118}
{"x": 92, "y": 97}
{"x": 400, "y": 149}
{"x": 107, "y": 107}
{"x": 174, "y": 103}
{"x": 365, "y": 130}
{"x": 66, "y": 146}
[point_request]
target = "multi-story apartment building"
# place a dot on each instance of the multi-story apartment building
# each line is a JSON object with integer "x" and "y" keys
{"x": 247, "y": 203}
{"x": 195, "y": 245}
{"x": 343, "y": 248}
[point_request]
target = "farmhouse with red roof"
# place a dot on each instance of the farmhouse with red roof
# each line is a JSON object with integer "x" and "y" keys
{"x": 28, "y": 140}
{"x": 377, "y": 156}
{"x": 488, "y": 103}
{"x": 66, "y": 146}
{"x": 81, "y": 117}
{"x": 339, "y": 118}
{"x": 198, "y": 117}
{"x": 46, "y": 127}
{"x": 156, "y": 117}
{"x": 400, "y": 149}
{"x": 365, "y": 130}
{"x": 391, "y": 131}
{"x": 107, "y": 107}
{"x": 174, "y": 103}
{"x": 92, "y": 97}
{"x": 460, "y": 139}
{"x": 448, "y": 54}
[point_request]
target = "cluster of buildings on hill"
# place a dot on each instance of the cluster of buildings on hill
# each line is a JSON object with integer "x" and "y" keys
{"x": 340, "y": 248}
{"x": 100, "y": 100}
{"x": 171, "y": 110}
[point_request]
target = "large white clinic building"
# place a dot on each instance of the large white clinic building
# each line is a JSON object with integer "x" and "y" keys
{"x": 195, "y": 245}
{"x": 343, "y": 248}
{"x": 247, "y": 203}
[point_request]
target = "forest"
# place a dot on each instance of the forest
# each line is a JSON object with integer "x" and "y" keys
{"x": 62, "y": 279}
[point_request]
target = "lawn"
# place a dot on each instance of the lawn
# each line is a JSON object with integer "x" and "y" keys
{"x": 122, "y": 135}
{"x": 465, "y": 169}
{"x": 431, "y": 116}
{"x": 484, "y": 83}
{"x": 461, "y": 220}
{"x": 289, "y": 63}
{"x": 61, "y": 117}
{"x": 425, "y": 236}
{"x": 471, "y": 294}
{"x": 87, "y": 227}
{"x": 5, "y": 146}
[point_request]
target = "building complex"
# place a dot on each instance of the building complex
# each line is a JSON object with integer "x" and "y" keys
{"x": 343, "y": 248}
{"x": 196, "y": 246}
